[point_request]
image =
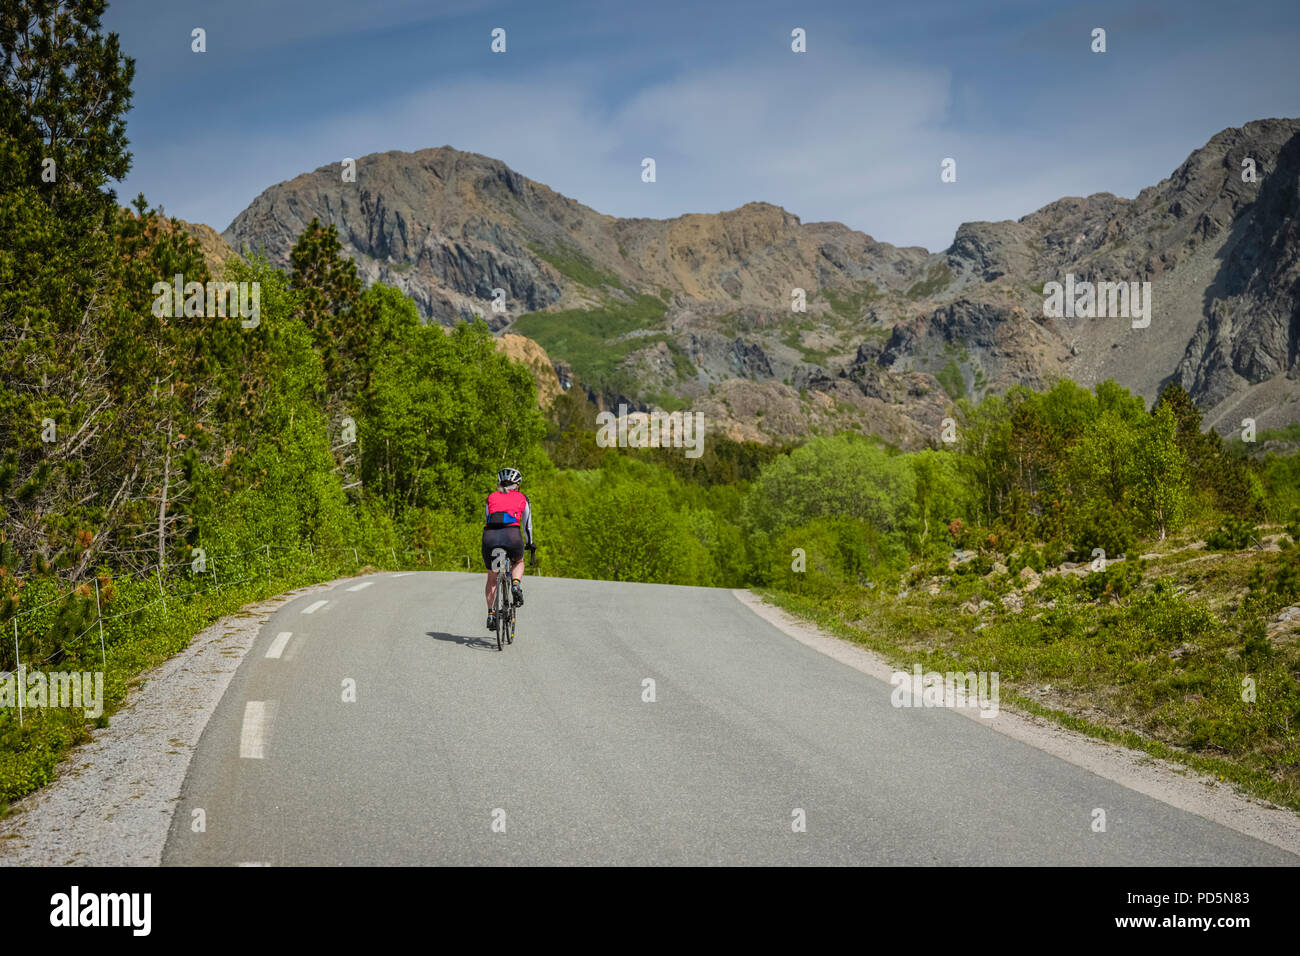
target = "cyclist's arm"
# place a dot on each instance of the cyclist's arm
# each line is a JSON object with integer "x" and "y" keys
{"x": 528, "y": 521}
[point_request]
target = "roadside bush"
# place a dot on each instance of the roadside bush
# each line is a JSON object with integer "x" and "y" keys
{"x": 978, "y": 566}
{"x": 845, "y": 476}
{"x": 1053, "y": 553}
{"x": 1117, "y": 580}
{"x": 634, "y": 533}
{"x": 1167, "y": 619}
{"x": 1105, "y": 526}
{"x": 1255, "y": 648}
{"x": 1277, "y": 582}
{"x": 1233, "y": 535}
{"x": 1057, "y": 586}
{"x": 1026, "y": 557}
{"x": 837, "y": 553}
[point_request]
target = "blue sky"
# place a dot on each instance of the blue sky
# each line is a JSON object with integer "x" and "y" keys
{"x": 853, "y": 130}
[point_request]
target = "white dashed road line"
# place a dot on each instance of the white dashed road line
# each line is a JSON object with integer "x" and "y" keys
{"x": 362, "y": 586}
{"x": 278, "y": 645}
{"x": 313, "y": 608}
{"x": 257, "y": 721}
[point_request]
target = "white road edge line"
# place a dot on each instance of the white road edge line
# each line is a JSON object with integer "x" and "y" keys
{"x": 278, "y": 645}
{"x": 314, "y": 607}
{"x": 362, "y": 586}
{"x": 257, "y": 721}
{"x": 1171, "y": 783}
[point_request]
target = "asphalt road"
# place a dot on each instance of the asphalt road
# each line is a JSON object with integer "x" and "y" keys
{"x": 547, "y": 753}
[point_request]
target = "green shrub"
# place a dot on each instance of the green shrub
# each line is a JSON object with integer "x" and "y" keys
{"x": 1164, "y": 618}
{"x": 1233, "y": 535}
{"x": 1026, "y": 557}
{"x": 1103, "y": 526}
{"x": 1277, "y": 582}
{"x": 845, "y": 476}
{"x": 1117, "y": 580}
{"x": 979, "y": 565}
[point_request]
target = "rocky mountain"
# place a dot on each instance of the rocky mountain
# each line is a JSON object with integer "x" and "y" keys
{"x": 216, "y": 252}
{"x": 1245, "y": 349}
{"x": 534, "y": 357}
{"x": 701, "y": 310}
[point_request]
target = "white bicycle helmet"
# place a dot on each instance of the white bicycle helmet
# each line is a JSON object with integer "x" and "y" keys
{"x": 508, "y": 478}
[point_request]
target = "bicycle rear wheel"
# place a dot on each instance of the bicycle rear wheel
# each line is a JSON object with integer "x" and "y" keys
{"x": 502, "y": 612}
{"x": 510, "y": 631}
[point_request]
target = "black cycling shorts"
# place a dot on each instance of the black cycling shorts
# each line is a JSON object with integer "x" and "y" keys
{"x": 510, "y": 540}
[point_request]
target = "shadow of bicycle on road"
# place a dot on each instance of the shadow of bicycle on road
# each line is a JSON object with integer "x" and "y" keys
{"x": 475, "y": 643}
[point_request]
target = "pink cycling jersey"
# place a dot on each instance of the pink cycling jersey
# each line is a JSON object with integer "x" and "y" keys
{"x": 509, "y": 509}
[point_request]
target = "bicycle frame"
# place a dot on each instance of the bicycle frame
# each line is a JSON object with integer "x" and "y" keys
{"x": 504, "y": 604}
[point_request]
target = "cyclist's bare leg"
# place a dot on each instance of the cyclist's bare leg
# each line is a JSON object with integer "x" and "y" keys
{"x": 491, "y": 590}
{"x": 517, "y": 572}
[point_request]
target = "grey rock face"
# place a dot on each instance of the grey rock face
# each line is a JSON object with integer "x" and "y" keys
{"x": 1252, "y": 332}
{"x": 1223, "y": 255}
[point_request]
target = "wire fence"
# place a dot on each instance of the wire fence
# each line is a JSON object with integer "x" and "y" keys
{"x": 44, "y": 634}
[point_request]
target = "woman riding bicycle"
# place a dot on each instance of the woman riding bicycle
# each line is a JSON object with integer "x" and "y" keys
{"x": 507, "y": 510}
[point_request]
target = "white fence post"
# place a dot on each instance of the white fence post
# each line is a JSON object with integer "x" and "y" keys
{"x": 99, "y": 619}
{"x": 161, "y": 593}
{"x": 18, "y": 665}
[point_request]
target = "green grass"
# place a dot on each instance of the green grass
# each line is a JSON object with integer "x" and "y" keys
{"x": 794, "y": 340}
{"x": 1241, "y": 449}
{"x": 937, "y": 278}
{"x": 685, "y": 368}
{"x": 669, "y": 403}
{"x": 584, "y": 337}
{"x": 572, "y": 264}
{"x": 950, "y": 377}
{"x": 850, "y": 305}
{"x": 729, "y": 322}
{"x": 1290, "y": 433}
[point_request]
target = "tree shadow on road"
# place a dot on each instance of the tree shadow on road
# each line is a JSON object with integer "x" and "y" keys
{"x": 477, "y": 643}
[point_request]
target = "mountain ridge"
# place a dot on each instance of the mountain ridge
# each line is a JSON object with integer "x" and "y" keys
{"x": 674, "y": 308}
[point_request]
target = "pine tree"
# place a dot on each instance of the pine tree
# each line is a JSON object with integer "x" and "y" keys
{"x": 62, "y": 138}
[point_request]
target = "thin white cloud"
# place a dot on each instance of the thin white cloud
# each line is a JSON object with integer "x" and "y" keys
{"x": 849, "y": 136}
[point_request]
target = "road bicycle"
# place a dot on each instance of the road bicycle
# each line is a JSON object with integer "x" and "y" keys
{"x": 504, "y": 605}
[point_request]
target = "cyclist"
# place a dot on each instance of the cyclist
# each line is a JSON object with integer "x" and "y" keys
{"x": 506, "y": 512}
